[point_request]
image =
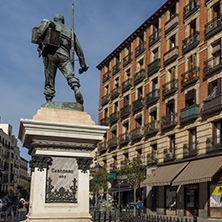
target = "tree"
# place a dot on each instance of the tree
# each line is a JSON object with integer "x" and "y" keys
{"x": 135, "y": 173}
{"x": 99, "y": 181}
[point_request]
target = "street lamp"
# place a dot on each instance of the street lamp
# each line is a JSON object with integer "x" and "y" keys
{"x": 120, "y": 179}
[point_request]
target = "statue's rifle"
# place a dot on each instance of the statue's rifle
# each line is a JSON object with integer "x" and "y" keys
{"x": 73, "y": 39}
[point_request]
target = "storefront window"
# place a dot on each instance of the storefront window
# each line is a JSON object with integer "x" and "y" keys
{"x": 216, "y": 200}
{"x": 171, "y": 200}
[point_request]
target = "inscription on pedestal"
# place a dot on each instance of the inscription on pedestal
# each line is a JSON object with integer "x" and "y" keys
{"x": 61, "y": 184}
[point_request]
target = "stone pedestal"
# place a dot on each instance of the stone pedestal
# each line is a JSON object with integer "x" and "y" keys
{"x": 60, "y": 142}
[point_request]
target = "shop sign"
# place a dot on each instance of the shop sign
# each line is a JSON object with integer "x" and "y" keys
{"x": 216, "y": 196}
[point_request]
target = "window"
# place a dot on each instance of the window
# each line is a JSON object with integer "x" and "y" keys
{"x": 154, "y": 152}
{"x": 155, "y": 25}
{"x": 216, "y": 52}
{"x": 140, "y": 65}
{"x": 140, "y": 92}
{"x": 192, "y": 27}
{"x": 127, "y": 73}
{"x": 155, "y": 84}
{"x": 141, "y": 38}
{"x": 172, "y": 144}
{"x": 214, "y": 88}
{"x": 106, "y": 113}
{"x": 106, "y": 90}
{"x": 172, "y": 73}
{"x": 116, "y": 107}
{"x": 172, "y": 41}
{"x": 192, "y": 139}
{"x": 155, "y": 54}
{"x": 116, "y": 82}
{"x": 190, "y": 98}
{"x": 172, "y": 10}
{"x": 153, "y": 116}
{"x": 217, "y": 132}
{"x": 192, "y": 62}
{"x": 126, "y": 100}
{"x": 138, "y": 122}
{"x": 216, "y": 11}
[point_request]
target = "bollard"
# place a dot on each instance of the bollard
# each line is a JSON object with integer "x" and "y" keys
{"x": 195, "y": 216}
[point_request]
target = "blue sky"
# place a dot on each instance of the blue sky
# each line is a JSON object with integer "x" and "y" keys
{"x": 100, "y": 25}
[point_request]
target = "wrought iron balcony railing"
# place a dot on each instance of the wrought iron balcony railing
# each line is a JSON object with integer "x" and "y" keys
{"x": 140, "y": 49}
{"x": 126, "y": 85}
{"x": 169, "y": 154}
{"x": 214, "y": 144}
{"x": 127, "y": 59}
{"x": 124, "y": 138}
{"x": 125, "y": 111}
{"x": 212, "y": 105}
{"x": 190, "y": 149}
{"x": 213, "y": 27}
{"x": 102, "y": 146}
{"x": 112, "y": 143}
{"x": 171, "y": 55}
{"x": 212, "y": 66}
{"x": 153, "y": 67}
{"x": 169, "y": 121}
{"x": 190, "y": 42}
{"x": 172, "y": 23}
{"x": 114, "y": 117}
{"x": 152, "y": 96}
{"x": 190, "y": 76}
{"x": 116, "y": 68}
{"x": 154, "y": 37}
{"x": 137, "y": 133}
{"x": 169, "y": 87}
{"x": 152, "y": 127}
{"x": 190, "y": 8}
{"x": 106, "y": 76}
{"x": 139, "y": 76}
{"x": 138, "y": 104}
{"x": 115, "y": 93}
{"x": 189, "y": 113}
{"x": 152, "y": 158}
{"x": 105, "y": 99}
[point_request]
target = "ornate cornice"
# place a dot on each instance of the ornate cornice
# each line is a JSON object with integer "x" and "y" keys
{"x": 84, "y": 163}
{"x": 40, "y": 162}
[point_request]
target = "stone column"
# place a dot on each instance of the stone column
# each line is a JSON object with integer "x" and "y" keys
{"x": 60, "y": 142}
{"x": 203, "y": 200}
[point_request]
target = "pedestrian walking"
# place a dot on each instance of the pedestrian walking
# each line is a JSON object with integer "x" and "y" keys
{"x": 138, "y": 208}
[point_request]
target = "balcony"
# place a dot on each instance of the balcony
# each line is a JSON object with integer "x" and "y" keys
{"x": 153, "y": 67}
{"x": 137, "y": 133}
{"x": 116, "y": 68}
{"x": 190, "y": 76}
{"x": 124, "y": 138}
{"x": 168, "y": 121}
{"x": 152, "y": 158}
{"x": 153, "y": 96}
{"x": 106, "y": 76}
{"x": 154, "y": 37}
{"x": 171, "y": 55}
{"x": 169, "y": 154}
{"x": 212, "y": 66}
{"x": 214, "y": 144}
{"x": 105, "y": 99}
{"x": 211, "y": 105}
{"x": 138, "y": 104}
{"x": 151, "y": 128}
{"x": 190, "y": 42}
{"x": 170, "y": 87}
{"x": 171, "y": 24}
{"x": 213, "y": 27}
{"x": 190, "y": 149}
{"x": 189, "y": 113}
{"x": 112, "y": 143}
{"x": 114, "y": 117}
{"x": 190, "y": 8}
{"x": 104, "y": 121}
{"x": 139, "y": 76}
{"x": 102, "y": 147}
{"x": 127, "y": 59}
{"x": 140, "y": 49}
{"x": 115, "y": 93}
{"x": 125, "y": 111}
{"x": 126, "y": 85}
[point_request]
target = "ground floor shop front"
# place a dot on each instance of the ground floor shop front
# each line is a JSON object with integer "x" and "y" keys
{"x": 187, "y": 188}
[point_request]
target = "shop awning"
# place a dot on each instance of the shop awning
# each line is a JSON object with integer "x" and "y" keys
{"x": 199, "y": 171}
{"x": 164, "y": 175}
{"x": 111, "y": 175}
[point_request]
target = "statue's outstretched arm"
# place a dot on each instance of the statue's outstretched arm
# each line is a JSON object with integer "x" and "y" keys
{"x": 79, "y": 52}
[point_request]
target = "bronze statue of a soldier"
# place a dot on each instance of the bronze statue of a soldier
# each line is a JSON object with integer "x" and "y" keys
{"x": 55, "y": 41}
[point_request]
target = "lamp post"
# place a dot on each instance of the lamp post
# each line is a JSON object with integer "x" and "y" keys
{"x": 120, "y": 179}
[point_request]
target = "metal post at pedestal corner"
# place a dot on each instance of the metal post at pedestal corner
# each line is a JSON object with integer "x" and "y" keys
{"x": 119, "y": 198}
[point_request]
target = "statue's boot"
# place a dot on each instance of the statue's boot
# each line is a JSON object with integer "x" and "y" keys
{"x": 78, "y": 96}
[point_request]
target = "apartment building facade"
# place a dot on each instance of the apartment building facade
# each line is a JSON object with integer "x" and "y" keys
{"x": 10, "y": 161}
{"x": 160, "y": 93}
